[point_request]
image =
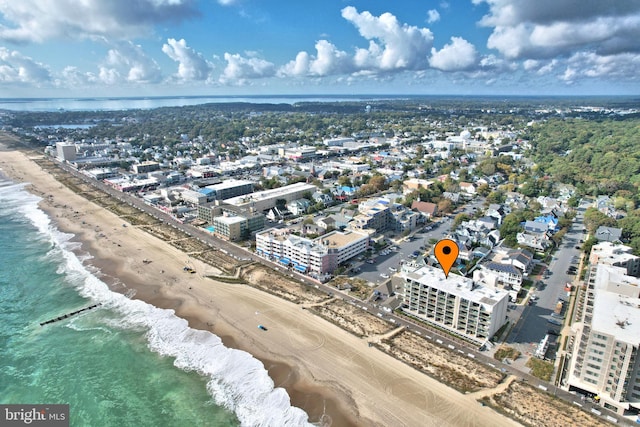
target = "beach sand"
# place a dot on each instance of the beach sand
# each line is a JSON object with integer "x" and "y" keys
{"x": 324, "y": 369}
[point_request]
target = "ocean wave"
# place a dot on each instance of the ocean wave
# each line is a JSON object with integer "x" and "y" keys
{"x": 236, "y": 380}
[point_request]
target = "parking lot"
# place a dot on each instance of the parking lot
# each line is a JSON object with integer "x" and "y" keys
{"x": 536, "y": 320}
{"x": 382, "y": 265}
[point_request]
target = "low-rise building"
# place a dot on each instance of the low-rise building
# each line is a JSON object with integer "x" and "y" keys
{"x": 428, "y": 209}
{"x": 608, "y": 234}
{"x": 538, "y": 241}
{"x": 145, "y": 167}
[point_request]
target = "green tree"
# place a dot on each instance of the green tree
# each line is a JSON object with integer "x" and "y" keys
{"x": 593, "y": 219}
{"x": 458, "y": 220}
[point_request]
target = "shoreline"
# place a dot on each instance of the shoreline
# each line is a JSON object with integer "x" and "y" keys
{"x": 308, "y": 356}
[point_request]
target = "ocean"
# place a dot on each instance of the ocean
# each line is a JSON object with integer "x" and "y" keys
{"x": 125, "y": 363}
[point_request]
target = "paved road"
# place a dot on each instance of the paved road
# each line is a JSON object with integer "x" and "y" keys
{"x": 534, "y": 319}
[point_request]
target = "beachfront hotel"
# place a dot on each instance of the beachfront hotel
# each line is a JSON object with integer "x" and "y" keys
{"x": 457, "y": 304}
{"x": 603, "y": 345}
{"x": 318, "y": 257}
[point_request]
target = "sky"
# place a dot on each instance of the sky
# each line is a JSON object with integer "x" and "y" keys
{"x": 97, "y": 48}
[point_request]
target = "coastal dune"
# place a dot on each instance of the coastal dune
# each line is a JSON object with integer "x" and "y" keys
{"x": 336, "y": 377}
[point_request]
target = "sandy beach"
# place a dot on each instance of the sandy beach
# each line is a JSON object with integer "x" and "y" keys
{"x": 325, "y": 370}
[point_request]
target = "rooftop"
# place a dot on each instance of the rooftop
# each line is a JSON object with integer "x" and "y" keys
{"x": 337, "y": 239}
{"x": 269, "y": 194}
{"x": 616, "y": 309}
{"x": 229, "y": 183}
{"x": 456, "y": 285}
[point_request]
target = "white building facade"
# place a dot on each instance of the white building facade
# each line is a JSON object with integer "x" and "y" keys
{"x": 456, "y": 303}
{"x": 318, "y": 257}
{"x": 603, "y": 344}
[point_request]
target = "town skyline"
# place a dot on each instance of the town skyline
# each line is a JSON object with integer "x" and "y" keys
{"x": 244, "y": 47}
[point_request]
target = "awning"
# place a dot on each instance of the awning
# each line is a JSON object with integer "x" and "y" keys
{"x": 301, "y": 267}
{"x": 259, "y": 250}
{"x": 285, "y": 261}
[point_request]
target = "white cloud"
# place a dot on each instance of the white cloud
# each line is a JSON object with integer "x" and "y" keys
{"x": 297, "y": 67}
{"x": 548, "y": 28}
{"x": 191, "y": 64}
{"x": 129, "y": 62}
{"x": 392, "y": 46}
{"x": 433, "y": 16}
{"x": 74, "y": 78}
{"x": 43, "y": 20}
{"x": 622, "y": 66}
{"x": 457, "y": 56}
{"x": 540, "y": 67}
{"x": 17, "y": 68}
{"x": 227, "y": 2}
{"x": 329, "y": 60}
{"x": 240, "y": 68}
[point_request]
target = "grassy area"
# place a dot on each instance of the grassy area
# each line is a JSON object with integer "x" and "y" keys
{"x": 527, "y": 283}
{"x": 498, "y": 335}
{"x": 540, "y": 368}
{"x": 506, "y": 352}
{"x": 357, "y": 287}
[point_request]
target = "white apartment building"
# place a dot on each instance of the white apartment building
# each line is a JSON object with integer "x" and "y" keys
{"x": 456, "y": 303}
{"x": 317, "y": 257}
{"x": 603, "y": 345}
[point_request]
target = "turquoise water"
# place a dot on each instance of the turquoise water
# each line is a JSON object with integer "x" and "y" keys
{"x": 125, "y": 363}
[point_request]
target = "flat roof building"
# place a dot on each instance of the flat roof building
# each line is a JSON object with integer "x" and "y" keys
{"x": 265, "y": 200}
{"x": 218, "y": 216}
{"x": 603, "y": 344}
{"x": 230, "y": 188}
{"x": 615, "y": 254}
{"x": 317, "y": 257}
{"x": 457, "y": 304}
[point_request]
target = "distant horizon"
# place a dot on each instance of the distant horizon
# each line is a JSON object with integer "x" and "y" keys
{"x": 330, "y": 95}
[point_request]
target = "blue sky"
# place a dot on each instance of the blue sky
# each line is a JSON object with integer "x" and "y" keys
{"x": 244, "y": 47}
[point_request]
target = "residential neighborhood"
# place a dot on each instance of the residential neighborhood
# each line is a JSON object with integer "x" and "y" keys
{"x": 360, "y": 213}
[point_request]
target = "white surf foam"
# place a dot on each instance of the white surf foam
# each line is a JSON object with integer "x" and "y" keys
{"x": 236, "y": 380}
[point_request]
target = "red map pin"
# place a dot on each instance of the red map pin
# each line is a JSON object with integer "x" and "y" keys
{"x": 446, "y": 252}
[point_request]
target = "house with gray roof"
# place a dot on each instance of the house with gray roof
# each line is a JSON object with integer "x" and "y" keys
{"x": 608, "y": 234}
